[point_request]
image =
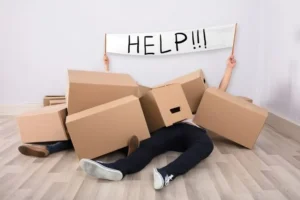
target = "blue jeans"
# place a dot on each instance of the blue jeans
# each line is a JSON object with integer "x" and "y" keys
{"x": 59, "y": 146}
{"x": 192, "y": 141}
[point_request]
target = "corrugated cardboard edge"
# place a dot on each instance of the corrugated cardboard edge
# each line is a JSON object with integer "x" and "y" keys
{"x": 144, "y": 103}
{"x": 261, "y": 128}
{"x": 73, "y": 80}
{"x": 95, "y": 110}
{"x": 283, "y": 126}
{"x": 246, "y": 99}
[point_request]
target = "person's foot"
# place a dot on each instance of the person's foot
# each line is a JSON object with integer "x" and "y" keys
{"x": 34, "y": 150}
{"x": 133, "y": 144}
{"x": 161, "y": 179}
{"x": 98, "y": 170}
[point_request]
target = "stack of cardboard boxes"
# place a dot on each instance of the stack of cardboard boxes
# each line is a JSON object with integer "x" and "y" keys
{"x": 101, "y": 111}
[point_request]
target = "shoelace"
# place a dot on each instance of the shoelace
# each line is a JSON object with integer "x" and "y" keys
{"x": 168, "y": 179}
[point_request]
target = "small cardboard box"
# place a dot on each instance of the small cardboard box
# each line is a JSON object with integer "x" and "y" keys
{"x": 56, "y": 102}
{"x": 231, "y": 117}
{"x": 193, "y": 85}
{"x": 164, "y": 106}
{"x": 48, "y": 98}
{"x": 107, "y": 127}
{"x": 88, "y": 89}
{"x": 46, "y": 124}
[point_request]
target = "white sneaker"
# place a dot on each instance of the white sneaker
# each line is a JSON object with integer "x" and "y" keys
{"x": 97, "y": 170}
{"x": 159, "y": 181}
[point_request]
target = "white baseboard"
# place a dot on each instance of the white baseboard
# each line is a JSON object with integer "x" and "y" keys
{"x": 284, "y": 126}
{"x": 15, "y": 110}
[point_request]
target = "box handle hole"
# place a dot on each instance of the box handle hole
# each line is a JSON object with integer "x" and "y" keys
{"x": 175, "y": 110}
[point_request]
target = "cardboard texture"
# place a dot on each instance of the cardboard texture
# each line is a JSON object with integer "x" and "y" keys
{"x": 164, "y": 106}
{"x": 106, "y": 128}
{"x": 231, "y": 117}
{"x": 193, "y": 85}
{"x": 89, "y": 89}
{"x": 143, "y": 90}
{"x": 48, "y": 98}
{"x": 56, "y": 102}
{"x": 46, "y": 124}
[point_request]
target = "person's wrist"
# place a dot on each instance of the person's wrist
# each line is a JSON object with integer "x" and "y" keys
{"x": 229, "y": 67}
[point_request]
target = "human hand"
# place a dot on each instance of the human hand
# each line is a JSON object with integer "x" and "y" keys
{"x": 106, "y": 62}
{"x": 231, "y": 62}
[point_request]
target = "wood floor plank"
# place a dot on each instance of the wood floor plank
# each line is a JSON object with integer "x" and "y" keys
{"x": 270, "y": 171}
{"x": 88, "y": 189}
{"x": 73, "y": 185}
{"x": 254, "y": 171}
{"x": 284, "y": 184}
{"x": 55, "y": 191}
{"x": 233, "y": 181}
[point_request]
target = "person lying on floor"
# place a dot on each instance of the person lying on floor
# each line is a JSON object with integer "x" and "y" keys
{"x": 188, "y": 138}
{"x": 38, "y": 150}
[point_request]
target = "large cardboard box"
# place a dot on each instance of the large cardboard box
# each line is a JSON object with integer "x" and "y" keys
{"x": 88, "y": 89}
{"x": 107, "y": 127}
{"x": 194, "y": 85}
{"x": 48, "y": 98}
{"x": 231, "y": 117}
{"x": 164, "y": 106}
{"x": 46, "y": 124}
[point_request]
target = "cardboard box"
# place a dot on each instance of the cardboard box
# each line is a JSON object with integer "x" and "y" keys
{"x": 48, "y": 98}
{"x": 56, "y": 102}
{"x": 46, "y": 124}
{"x": 106, "y": 128}
{"x": 246, "y": 99}
{"x": 89, "y": 89}
{"x": 231, "y": 117}
{"x": 143, "y": 90}
{"x": 194, "y": 85}
{"x": 164, "y": 106}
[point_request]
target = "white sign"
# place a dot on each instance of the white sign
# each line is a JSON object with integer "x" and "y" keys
{"x": 175, "y": 42}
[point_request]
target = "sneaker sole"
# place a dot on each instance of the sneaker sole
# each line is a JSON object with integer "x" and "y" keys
{"x": 30, "y": 152}
{"x": 97, "y": 170}
{"x": 158, "y": 176}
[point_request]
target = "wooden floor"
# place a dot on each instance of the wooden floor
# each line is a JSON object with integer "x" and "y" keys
{"x": 270, "y": 171}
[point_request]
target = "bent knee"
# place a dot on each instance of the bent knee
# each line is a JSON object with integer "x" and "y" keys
{"x": 206, "y": 147}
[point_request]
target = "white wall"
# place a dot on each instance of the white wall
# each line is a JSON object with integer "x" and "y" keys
{"x": 40, "y": 40}
{"x": 280, "y": 91}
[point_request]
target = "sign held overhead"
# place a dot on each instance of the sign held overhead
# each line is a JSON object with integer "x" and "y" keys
{"x": 172, "y": 42}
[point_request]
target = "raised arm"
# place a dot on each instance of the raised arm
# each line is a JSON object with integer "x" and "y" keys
{"x": 227, "y": 75}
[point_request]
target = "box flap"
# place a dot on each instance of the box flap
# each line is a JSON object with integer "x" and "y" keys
{"x": 103, "y": 78}
{"x": 100, "y": 108}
